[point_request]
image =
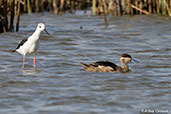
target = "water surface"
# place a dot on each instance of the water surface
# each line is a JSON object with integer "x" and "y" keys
{"x": 60, "y": 85}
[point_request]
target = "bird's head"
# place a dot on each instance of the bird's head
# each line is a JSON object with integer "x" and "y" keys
{"x": 41, "y": 27}
{"x": 125, "y": 58}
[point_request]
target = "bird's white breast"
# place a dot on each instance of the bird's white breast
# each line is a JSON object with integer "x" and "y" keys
{"x": 29, "y": 47}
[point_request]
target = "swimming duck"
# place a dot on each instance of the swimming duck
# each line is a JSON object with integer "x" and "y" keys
{"x": 106, "y": 66}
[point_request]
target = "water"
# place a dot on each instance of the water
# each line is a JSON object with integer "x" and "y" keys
{"x": 60, "y": 85}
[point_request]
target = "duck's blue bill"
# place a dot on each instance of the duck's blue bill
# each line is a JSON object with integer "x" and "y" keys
{"x": 135, "y": 61}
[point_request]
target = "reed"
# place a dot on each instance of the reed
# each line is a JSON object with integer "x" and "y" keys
{"x": 28, "y": 6}
{"x": 12, "y": 15}
{"x": 18, "y": 16}
{"x": 11, "y": 8}
{"x": 128, "y": 9}
{"x": 94, "y": 6}
{"x": 55, "y": 8}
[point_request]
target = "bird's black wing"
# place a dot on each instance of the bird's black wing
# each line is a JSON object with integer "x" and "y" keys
{"x": 104, "y": 63}
{"x": 22, "y": 42}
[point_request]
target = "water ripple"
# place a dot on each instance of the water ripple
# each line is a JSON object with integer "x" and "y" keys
{"x": 60, "y": 85}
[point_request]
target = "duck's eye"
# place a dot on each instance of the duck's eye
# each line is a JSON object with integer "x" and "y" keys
{"x": 39, "y": 26}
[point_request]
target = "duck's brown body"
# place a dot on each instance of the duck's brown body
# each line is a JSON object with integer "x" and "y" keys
{"x": 100, "y": 66}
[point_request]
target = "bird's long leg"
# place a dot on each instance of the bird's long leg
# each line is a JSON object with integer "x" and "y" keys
{"x": 23, "y": 61}
{"x": 34, "y": 62}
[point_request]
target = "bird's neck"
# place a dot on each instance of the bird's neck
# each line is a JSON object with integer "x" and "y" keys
{"x": 124, "y": 67}
{"x": 36, "y": 34}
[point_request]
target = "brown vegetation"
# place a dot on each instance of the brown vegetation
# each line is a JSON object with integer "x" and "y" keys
{"x": 11, "y": 8}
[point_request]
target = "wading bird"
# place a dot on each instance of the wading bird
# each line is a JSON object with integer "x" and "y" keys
{"x": 30, "y": 45}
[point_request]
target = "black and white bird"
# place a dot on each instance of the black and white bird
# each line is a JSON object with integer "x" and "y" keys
{"x": 106, "y": 66}
{"x": 30, "y": 45}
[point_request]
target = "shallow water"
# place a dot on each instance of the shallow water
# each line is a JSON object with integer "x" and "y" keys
{"x": 60, "y": 85}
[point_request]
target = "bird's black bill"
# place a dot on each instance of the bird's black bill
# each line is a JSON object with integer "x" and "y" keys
{"x": 46, "y": 32}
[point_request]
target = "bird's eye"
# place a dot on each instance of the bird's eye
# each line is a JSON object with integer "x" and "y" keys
{"x": 39, "y": 26}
